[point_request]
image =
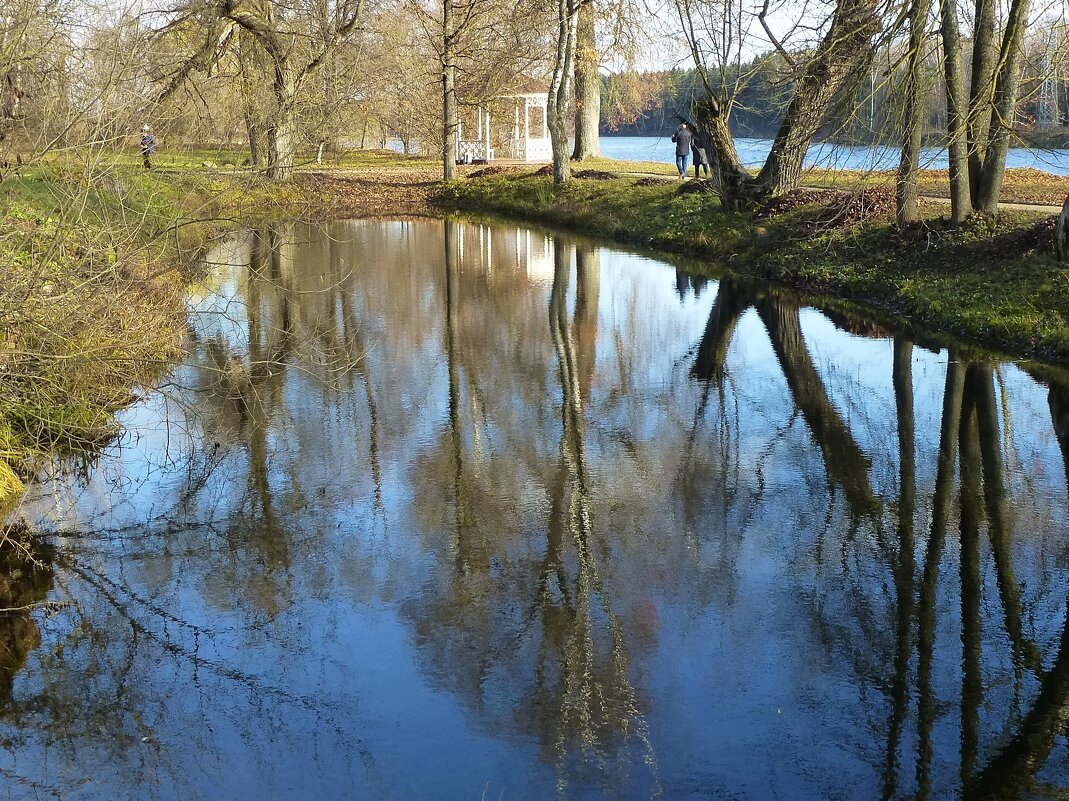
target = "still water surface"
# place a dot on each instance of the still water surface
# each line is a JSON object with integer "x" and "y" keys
{"x": 445, "y": 510}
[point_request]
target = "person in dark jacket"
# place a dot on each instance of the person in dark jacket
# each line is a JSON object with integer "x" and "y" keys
{"x": 701, "y": 158}
{"x": 684, "y": 138}
{"x": 148, "y": 146}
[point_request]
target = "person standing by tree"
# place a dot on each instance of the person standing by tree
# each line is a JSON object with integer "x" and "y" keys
{"x": 701, "y": 158}
{"x": 684, "y": 138}
{"x": 148, "y": 146}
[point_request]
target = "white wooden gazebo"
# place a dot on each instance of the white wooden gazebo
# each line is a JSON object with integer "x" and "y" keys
{"x": 529, "y": 139}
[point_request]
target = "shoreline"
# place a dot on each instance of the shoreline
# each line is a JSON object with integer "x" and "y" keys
{"x": 93, "y": 306}
{"x": 992, "y": 283}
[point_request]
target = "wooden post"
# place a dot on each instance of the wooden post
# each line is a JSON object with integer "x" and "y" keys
{"x": 526, "y": 130}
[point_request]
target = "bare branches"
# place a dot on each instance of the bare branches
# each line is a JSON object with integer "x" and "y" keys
{"x": 772, "y": 37}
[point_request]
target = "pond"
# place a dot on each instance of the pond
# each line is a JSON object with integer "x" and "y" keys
{"x": 440, "y": 509}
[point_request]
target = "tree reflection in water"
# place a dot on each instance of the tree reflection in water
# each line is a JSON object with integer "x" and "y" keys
{"x": 970, "y": 426}
{"x": 592, "y": 538}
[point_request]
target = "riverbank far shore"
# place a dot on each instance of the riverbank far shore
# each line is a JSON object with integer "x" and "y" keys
{"x": 95, "y": 269}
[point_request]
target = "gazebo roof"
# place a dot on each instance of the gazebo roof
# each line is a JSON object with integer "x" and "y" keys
{"x": 527, "y": 88}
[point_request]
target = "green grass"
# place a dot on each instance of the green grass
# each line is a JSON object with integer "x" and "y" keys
{"x": 993, "y": 282}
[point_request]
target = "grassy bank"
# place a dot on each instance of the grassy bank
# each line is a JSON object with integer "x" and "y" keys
{"x": 94, "y": 261}
{"x": 993, "y": 282}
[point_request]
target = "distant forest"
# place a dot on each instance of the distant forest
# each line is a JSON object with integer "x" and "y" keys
{"x": 652, "y": 104}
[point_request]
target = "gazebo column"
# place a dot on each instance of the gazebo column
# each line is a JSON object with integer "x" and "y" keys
{"x": 486, "y": 130}
{"x": 526, "y": 129}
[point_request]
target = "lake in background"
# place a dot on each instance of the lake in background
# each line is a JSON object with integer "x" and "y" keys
{"x": 445, "y": 510}
{"x": 752, "y": 152}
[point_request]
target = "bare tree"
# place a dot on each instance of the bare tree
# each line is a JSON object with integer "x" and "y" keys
{"x": 297, "y": 40}
{"x": 957, "y": 113}
{"x": 587, "y": 87}
{"x": 845, "y": 50}
{"x": 560, "y": 89}
{"x": 906, "y": 191}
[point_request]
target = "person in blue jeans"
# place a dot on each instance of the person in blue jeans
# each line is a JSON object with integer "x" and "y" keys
{"x": 684, "y": 138}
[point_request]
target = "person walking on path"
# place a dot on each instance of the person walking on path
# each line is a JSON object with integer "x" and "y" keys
{"x": 684, "y": 138}
{"x": 148, "y": 146}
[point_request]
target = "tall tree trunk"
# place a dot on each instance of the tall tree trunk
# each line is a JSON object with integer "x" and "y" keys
{"x": 449, "y": 95}
{"x": 846, "y": 46}
{"x": 1061, "y": 234}
{"x": 714, "y": 134}
{"x": 560, "y": 89}
{"x": 252, "y": 131}
{"x": 957, "y": 111}
{"x": 587, "y": 87}
{"x": 912, "y": 123}
{"x": 984, "y": 49}
{"x": 1007, "y": 85}
{"x": 282, "y": 134}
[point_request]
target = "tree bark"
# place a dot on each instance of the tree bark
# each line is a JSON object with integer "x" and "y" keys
{"x": 252, "y": 131}
{"x": 1061, "y": 234}
{"x": 909, "y": 165}
{"x": 846, "y": 46}
{"x": 560, "y": 89}
{"x": 281, "y": 131}
{"x": 715, "y": 136}
{"x": 449, "y": 95}
{"x": 983, "y": 75}
{"x": 957, "y": 111}
{"x": 1004, "y": 107}
{"x": 587, "y": 87}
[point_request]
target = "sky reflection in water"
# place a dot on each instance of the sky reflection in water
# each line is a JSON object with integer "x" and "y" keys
{"x": 445, "y": 510}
